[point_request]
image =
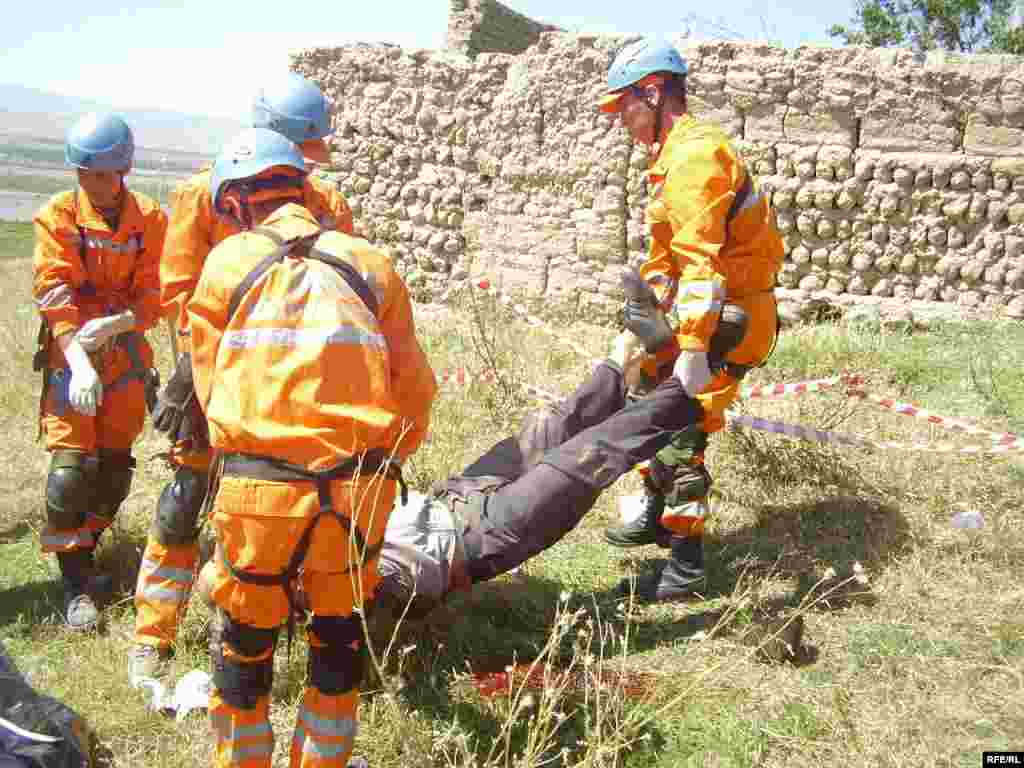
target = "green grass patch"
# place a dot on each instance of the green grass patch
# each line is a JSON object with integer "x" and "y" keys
{"x": 713, "y": 736}
{"x": 970, "y": 369}
{"x": 871, "y": 644}
{"x": 16, "y": 239}
{"x": 49, "y": 184}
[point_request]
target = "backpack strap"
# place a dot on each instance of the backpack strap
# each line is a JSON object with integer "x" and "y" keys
{"x": 303, "y": 248}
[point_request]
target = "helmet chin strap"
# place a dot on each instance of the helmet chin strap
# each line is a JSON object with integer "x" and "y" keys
{"x": 656, "y": 106}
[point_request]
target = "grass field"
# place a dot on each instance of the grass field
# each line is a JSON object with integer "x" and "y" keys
{"x": 50, "y": 183}
{"x": 914, "y": 630}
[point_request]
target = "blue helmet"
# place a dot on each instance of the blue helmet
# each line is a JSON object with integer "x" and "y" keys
{"x": 251, "y": 153}
{"x": 100, "y": 142}
{"x": 294, "y": 107}
{"x": 635, "y": 62}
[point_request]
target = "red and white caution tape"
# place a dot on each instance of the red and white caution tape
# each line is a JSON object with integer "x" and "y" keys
{"x": 798, "y": 388}
{"x": 1001, "y": 442}
{"x": 820, "y": 436}
{"x": 946, "y": 422}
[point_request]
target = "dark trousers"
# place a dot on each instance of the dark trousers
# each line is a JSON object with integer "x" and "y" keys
{"x": 526, "y": 494}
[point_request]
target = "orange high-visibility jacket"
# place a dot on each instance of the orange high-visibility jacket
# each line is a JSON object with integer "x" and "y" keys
{"x": 713, "y": 234}
{"x": 195, "y": 229}
{"x": 303, "y": 371}
{"x": 83, "y": 270}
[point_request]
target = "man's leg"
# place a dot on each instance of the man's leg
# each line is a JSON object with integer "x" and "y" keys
{"x": 336, "y": 582}
{"x": 598, "y": 397}
{"x": 167, "y": 571}
{"x": 527, "y": 516}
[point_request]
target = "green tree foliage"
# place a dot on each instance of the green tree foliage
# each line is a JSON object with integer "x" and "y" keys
{"x": 960, "y": 26}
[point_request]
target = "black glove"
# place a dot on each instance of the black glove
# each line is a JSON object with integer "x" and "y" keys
{"x": 641, "y": 314}
{"x": 177, "y": 413}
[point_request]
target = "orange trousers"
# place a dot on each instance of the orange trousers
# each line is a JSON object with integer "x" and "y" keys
{"x": 167, "y": 573}
{"x": 258, "y": 524}
{"x": 721, "y": 392}
{"x": 118, "y": 422}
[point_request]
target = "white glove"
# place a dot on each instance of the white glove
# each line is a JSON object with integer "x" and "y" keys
{"x": 85, "y": 392}
{"x": 95, "y": 333}
{"x": 693, "y": 372}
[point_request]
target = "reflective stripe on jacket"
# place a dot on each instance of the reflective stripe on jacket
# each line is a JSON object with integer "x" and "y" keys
{"x": 303, "y": 371}
{"x": 195, "y": 229}
{"x": 83, "y": 270}
{"x": 713, "y": 235}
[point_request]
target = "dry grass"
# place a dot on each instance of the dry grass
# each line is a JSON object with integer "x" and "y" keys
{"x": 922, "y": 664}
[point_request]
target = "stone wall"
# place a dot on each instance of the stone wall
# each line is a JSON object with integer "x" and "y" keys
{"x": 891, "y": 177}
{"x": 487, "y": 26}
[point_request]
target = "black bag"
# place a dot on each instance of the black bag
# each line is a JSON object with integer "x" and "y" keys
{"x": 37, "y": 731}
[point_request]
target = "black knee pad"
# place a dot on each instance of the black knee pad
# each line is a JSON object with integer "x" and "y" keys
{"x": 336, "y": 667}
{"x": 70, "y": 486}
{"x": 113, "y": 481}
{"x": 242, "y": 684}
{"x": 177, "y": 511}
{"x": 246, "y": 640}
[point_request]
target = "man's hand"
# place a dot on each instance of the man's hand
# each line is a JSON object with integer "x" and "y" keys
{"x": 95, "y": 333}
{"x": 693, "y": 371}
{"x": 642, "y": 315}
{"x": 626, "y": 351}
{"x": 85, "y": 392}
{"x": 177, "y": 413}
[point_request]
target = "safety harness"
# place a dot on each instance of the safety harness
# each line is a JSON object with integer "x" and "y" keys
{"x": 273, "y": 469}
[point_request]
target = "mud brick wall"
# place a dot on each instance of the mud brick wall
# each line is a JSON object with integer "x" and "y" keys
{"x": 892, "y": 177}
{"x": 487, "y": 26}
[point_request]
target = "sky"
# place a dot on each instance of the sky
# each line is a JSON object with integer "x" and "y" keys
{"x": 209, "y": 56}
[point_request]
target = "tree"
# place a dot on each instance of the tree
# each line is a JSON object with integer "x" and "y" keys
{"x": 961, "y": 26}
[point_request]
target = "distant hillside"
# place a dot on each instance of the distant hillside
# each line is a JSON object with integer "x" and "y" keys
{"x": 32, "y": 113}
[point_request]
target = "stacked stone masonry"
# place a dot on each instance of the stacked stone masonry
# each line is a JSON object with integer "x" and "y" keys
{"x": 487, "y": 26}
{"x": 892, "y": 178}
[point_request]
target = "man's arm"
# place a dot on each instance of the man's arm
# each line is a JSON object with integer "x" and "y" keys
{"x": 697, "y": 191}
{"x": 413, "y": 384}
{"x": 58, "y": 268}
{"x": 187, "y": 245}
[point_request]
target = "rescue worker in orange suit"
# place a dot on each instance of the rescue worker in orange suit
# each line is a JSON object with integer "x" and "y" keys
{"x": 714, "y": 254}
{"x": 295, "y": 108}
{"x": 315, "y": 389}
{"x": 97, "y": 288}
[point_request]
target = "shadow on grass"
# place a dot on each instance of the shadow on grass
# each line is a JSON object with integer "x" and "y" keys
{"x": 31, "y": 604}
{"x": 15, "y": 532}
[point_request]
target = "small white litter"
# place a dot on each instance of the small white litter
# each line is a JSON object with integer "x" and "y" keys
{"x": 970, "y": 520}
{"x": 192, "y": 692}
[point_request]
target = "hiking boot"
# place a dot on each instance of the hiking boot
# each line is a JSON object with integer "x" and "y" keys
{"x": 77, "y": 571}
{"x": 644, "y": 529}
{"x": 680, "y": 577}
{"x": 147, "y": 662}
{"x": 642, "y": 314}
{"x": 80, "y": 612}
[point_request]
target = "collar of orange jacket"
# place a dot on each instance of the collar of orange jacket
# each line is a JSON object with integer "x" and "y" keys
{"x": 88, "y": 215}
{"x": 659, "y": 169}
{"x": 290, "y": 210}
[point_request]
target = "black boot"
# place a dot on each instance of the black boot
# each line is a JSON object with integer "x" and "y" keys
{"x": 681, "y": 576}
{"x": 645, "y": 529}
{"x": 642, "y": 315}
{"x": 76, "y": 569}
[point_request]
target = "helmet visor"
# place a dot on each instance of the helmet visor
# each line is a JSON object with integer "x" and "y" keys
{"x": 611, "y": 103}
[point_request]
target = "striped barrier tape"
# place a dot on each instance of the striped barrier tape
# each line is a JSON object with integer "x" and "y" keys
{"x": 821, "y": 436}
{"x": 1002, "y": 442}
